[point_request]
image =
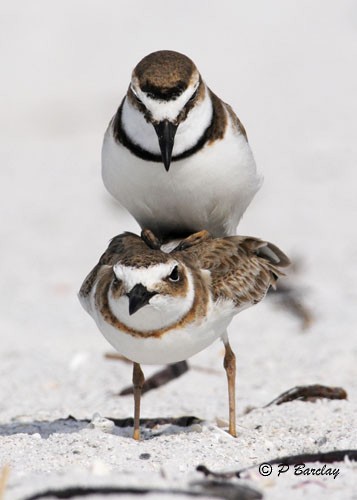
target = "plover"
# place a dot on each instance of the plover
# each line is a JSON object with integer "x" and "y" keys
{"x": 175, "y": 155}
{"x": 156, "y": 307}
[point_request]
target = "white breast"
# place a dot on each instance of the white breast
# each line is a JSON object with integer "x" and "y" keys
{"x": 171, "y": 347}
{"x": 208, "y": 190}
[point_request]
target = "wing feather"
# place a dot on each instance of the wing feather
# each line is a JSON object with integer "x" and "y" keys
{"x": 242, "y": 268}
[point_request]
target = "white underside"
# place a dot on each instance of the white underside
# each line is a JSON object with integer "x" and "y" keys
{"x": 173, "y": 346}
{"x": 210, "y": 190}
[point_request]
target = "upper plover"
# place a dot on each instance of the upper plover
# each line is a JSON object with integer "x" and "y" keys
{"x": 175, "y": 155}
{"x": 156, "y": 307}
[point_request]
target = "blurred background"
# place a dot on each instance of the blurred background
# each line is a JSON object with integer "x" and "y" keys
{"x": 288, "y": 69}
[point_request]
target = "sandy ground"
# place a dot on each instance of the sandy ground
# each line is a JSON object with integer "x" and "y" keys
{"x": 289, "y": 70}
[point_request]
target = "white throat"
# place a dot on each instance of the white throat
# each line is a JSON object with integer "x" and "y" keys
{"x": 189, "y": 132}
{"x": 161, "y": 312}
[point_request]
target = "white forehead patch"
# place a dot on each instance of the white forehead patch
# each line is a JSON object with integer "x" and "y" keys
{"x": 165, "y": 110}
{"x": 147, "y": 276}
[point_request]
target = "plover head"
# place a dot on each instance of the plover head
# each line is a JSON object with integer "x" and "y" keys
{"x": 165, "y": 86}
{"x": 153, "y": 296}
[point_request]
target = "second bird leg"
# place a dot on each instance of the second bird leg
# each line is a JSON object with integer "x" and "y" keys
{"x": 230, "y": 367}
{"x": 138, "y": 382}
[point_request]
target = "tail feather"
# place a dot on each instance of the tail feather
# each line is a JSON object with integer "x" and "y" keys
{"x": 264, "y": 249}
{"x": 273, "y": 254}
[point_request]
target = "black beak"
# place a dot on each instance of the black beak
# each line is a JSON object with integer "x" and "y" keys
{"x": 166, "y": 134}
{"x": 139, "y": 296}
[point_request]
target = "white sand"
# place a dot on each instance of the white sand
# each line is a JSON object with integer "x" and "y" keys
{"x": 289, "y": 70}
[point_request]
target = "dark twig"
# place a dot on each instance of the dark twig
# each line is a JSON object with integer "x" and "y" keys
{"x": 309, "y": 393}
{"x": 327, "y": 457}
{"x": 218, "y": 475}
{"x": 213, "y": 489}
{"x": 322, "y": 457}
{"x": 160, "y": 378}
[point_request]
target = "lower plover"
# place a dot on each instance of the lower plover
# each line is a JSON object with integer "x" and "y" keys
{"x": 157, "y": 308}
{"x": 175, "y": 155}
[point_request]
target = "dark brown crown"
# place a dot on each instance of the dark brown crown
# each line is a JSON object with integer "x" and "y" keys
{"x": 164, "y": 74}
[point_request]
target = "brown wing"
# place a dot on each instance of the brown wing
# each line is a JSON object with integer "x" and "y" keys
{"x": 242, "y": 268}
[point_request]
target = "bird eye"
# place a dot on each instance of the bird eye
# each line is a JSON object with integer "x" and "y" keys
{"x": 174, "y": 276}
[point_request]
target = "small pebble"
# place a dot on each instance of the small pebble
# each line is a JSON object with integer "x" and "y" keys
{"x": 321, "y": 441}
{"x": 144, "y": 456}
{"x": 101, "y": 423}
